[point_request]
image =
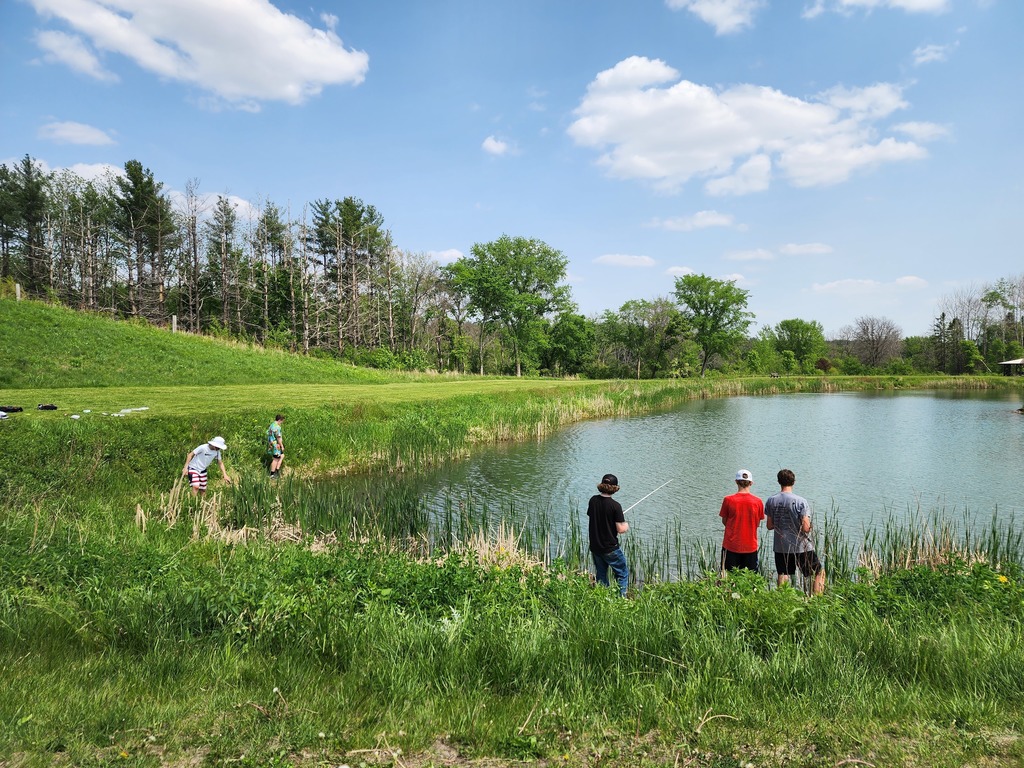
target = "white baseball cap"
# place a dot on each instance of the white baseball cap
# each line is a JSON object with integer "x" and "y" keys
{"x": 218, "y": 443}
{"x": 744, "y": 474}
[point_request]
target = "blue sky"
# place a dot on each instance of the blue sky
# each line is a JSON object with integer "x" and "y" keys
{"x": 837, "y": 158}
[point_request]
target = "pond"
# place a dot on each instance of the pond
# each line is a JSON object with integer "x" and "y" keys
{"x": 859, "y": 458}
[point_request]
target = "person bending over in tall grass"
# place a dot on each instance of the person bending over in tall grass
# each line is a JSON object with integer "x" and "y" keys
{"x": 789, "y": 516}
{"x": 201, "y": 457}
{"x": 607, "y": 521}
{"x": 741, "y": 514}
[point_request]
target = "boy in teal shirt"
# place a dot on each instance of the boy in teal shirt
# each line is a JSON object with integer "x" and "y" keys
{"x": 275, "y": 445}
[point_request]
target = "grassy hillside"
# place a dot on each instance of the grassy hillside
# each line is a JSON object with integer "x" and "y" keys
{"x": 46, "y": 346}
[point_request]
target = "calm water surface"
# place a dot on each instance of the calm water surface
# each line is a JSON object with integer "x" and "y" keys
{"x": 866, "y": 455}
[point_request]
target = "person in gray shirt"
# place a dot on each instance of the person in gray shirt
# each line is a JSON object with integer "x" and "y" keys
{"x": 789, "y": 516}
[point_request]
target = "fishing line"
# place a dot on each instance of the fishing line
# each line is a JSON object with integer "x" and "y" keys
{"x": 649, "y": 494}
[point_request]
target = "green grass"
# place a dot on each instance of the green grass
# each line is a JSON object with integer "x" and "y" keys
{"x": 164, "y": 645}
{"x": 48, "y": 347}
{"x": 149, "y": 648}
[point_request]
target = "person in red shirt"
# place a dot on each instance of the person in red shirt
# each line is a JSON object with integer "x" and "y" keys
{"x": 741, "y": 515}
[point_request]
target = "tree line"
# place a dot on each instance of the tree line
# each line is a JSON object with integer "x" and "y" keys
{"x": 327, "y": 279}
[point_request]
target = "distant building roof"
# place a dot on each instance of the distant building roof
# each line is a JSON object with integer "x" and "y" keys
{"x": 1018, "y": 361}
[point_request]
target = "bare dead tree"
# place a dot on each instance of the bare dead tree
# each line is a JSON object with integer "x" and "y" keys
{"x": 874, "y": 340}
{"x": 965, "y": 304}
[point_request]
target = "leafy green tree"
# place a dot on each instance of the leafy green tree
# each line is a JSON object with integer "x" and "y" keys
{"x": 350, "y": 238}
{"x": 517, "y": 281}
{"x": 9, "y": 219}
{"x": 571, "y": 342}
{"x": 412, "y": 289}
{"x": 804, "y": 339}
{"x": 919, "y": 352}
{"x": 224, "y": 254}
{"x": 716, "y": 312}
{"x": 78, "y": 237}
{"x": 29, "y": 201}
{"x": 271, "y": 243}
{"x": 940, "y": 343}
{"x": 763, "y": 355}
{"x": 644, "y": 334}
{"x": 464, "y": 300}
{"x": 145, "y": 223}
{"x": 972, "y": 359}
{"x": 452, "y": 312}
{"x": 961, "y": 351}
{"x": 622, "y": 339}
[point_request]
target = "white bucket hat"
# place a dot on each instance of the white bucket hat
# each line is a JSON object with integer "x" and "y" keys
{"x": 218, "y": 443}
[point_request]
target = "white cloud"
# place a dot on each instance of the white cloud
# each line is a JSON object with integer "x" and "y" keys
{"x": 243, "y": 52}
{"x": 699, "y": 220}
{"x": 814, "y": 10}
{"x": 753, "y": 176}
{"x": 925, "y": 54}
{"x": 625, "y": 260}
{"x": 74, "y": 133}
{"x": 823, "y": 163}
{"x": 205, "y": 202}
{"x": 856, "y": 287}
{"x": 648, "y": 123}
{"x": 496, "y": 147}
{"x": 922, "y": 131}
{"x": 246, "y": 211}
{"x": 726, "y": 16}
{"x": 680, "y": 271}
{"x": 536, "y": 96}
{"x": 805, "y": 249}
{"x": 870, "y": 103}
{"x": 847, "y": 286}
{"x": 446, "y": 256}
{"x": 96, "y": 171}
{"x": 87, "y": 171}
{"x": 848, "y": 6}
{"x": 61, "y": 48}
{"x": 755, "y": 254}
{"x": 911, "y": 282}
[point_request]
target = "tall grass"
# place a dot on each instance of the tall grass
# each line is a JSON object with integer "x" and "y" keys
{"x": 396, "y": 511}
{"x": 145, "y": 648}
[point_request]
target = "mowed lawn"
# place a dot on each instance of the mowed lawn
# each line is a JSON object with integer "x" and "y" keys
{"x": 85, "y": 362}
{"x": 236, "y": 398}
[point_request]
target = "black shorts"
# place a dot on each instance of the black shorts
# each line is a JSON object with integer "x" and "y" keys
{"x": 786, "y": 563}
{"x": 733, "y": 560}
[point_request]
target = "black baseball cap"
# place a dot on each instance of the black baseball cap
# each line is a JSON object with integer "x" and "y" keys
{"x": 609, "y": 479}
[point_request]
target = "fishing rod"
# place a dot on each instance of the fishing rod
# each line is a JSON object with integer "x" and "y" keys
{"x": 649, "y": 494}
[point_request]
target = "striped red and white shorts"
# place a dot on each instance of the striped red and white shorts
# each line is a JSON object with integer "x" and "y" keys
{"x": 197, "y": 480}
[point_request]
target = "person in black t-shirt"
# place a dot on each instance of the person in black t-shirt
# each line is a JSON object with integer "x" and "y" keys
{"x": 606, "y": 523}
